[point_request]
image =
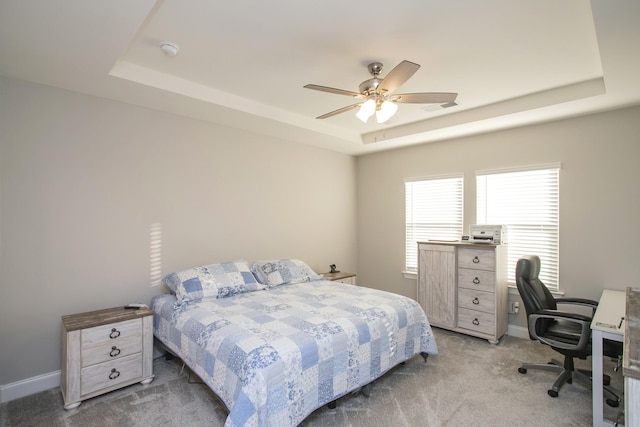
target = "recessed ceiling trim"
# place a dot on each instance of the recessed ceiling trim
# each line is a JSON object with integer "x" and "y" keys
{"x": 545, "y": 98}
{"x": 150, "y": 77}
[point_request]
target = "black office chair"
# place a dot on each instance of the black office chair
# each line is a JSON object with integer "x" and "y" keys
{"x": 567, "y": 333}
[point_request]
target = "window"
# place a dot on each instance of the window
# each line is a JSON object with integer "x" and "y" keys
{"x": 527, "y": 201}
{"x": 433, "y": 212}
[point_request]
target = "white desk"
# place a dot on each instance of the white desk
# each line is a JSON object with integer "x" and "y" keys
{"x": 607, "y": 324}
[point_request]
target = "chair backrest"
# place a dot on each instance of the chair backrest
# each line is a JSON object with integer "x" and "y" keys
{"x": 535, "y": 295}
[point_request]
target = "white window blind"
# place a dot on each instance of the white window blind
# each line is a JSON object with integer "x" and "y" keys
{"x": 433, "y": 212}
{"x": 527, "y": 201}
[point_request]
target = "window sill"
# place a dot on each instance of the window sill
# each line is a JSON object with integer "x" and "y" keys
{"x": 513, "y": 290}
{"x": 410, "y": 274}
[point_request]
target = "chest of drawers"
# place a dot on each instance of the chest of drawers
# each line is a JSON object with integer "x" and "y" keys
{"x": 105, "y": 350}
{"x": 463, "y": 287}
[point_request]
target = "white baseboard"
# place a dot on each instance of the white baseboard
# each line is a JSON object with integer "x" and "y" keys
{"x": 518, "y": 331}
{"x": 33, "y": 385}
{"x": 9, "y": 392}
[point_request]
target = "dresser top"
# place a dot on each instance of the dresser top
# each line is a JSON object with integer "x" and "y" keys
{"x": 337, "y": 276}
{"x": 459, "y": 243}
{"x": 72, "y": 322}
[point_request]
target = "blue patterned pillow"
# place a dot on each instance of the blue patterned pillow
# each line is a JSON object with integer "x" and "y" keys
{"x": 215, "y": 280}
{"x": 272, "y": 273}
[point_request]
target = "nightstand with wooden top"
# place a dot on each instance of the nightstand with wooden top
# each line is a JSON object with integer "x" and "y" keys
{"x": 105, "y": 350}
{"x": 342, "y": 277}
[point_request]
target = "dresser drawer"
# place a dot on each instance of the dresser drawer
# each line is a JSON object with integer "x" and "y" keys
{"x": 477, "y": 300}
{"x": 111, "y": 333}
{"x": 476, "y": 321}
{"x": 116, "y": 349}
{"x": 109, "y": 374}
{"x": 481, "y": 259}
{"x": 477, "y": 279}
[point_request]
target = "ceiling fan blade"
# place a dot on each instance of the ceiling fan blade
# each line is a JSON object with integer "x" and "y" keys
{"x": 341, "y": 110}
{"x": 334, "y": 90}
{"x": 424, "y": 98}
{"x": 396, "y": 77}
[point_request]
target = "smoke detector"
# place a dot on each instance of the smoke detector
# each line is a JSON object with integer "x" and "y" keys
{"x": 169, "y": 49}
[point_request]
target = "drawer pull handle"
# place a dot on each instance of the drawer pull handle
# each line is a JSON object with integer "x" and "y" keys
{"x": 114, "y": 333}
{"x": 476, "y": 301}
{"x": 114, "y": 351}
{"x": 114, "y": 374}
{"x": 476, "y": 281}
{"x": 476, "y": 321}
{"x": 476, "y": 260}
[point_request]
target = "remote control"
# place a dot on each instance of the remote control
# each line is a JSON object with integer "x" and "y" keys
{"x": 135, "y": 306}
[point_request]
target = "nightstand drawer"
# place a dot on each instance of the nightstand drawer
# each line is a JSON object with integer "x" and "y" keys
{"x": 108, "y": 374}
{"x": 111, "y": 333}
{"x": 348, "y": 280}
{"x": 477, "y": 300}
{"x": 119, "y": 348}
{"x": 481, "y": 259}
{"x": 476, "y": 321}
{"x": 477, "y": 279}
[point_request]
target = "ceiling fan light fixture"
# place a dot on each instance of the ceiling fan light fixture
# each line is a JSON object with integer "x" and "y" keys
{"x": 386, "y": 111}
{"x": 366, "y": 110}
{"x": 378, "y": 93}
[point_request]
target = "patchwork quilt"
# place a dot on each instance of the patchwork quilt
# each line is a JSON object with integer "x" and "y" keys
{"x": 274, "y": 356}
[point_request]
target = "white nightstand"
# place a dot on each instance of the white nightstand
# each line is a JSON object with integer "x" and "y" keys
{"x": 105, "y": 350}
{"x": 342, "y": 277}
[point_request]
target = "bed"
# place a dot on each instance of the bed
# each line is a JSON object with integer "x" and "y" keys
{"x": 274, "y": 341}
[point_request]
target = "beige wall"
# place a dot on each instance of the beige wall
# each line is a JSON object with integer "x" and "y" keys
{"x": 83, "y": 179}
{"x": 599, "y": 197}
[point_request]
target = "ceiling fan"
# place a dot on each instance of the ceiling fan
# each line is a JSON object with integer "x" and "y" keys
{"x": 376, "y": 93}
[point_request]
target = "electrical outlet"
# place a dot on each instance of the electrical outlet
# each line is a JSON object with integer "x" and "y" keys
{"x": 514, "y": 307}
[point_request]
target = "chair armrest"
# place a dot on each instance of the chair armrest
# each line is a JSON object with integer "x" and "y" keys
{"x": 577, "y": 301}
{"x": 555, "y": 314}
{"x": 580, "y": 319}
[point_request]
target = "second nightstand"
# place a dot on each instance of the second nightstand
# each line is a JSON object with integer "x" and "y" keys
{"x": 342, "y": 277}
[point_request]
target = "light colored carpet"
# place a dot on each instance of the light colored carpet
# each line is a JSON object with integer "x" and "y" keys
{"x": 469, "y": 383}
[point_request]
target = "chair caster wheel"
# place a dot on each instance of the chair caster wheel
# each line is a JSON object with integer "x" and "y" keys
{"x": 606, "y": 381}
{"x": 613, "y": 403}
{"x": 522, "y": 370}
{"x": 552, "y": 393}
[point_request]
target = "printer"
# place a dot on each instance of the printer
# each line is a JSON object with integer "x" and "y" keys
{"x": 482, "y": 233}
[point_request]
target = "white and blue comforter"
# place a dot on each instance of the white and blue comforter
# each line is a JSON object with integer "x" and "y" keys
{"x": 274, "y": 356}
